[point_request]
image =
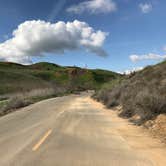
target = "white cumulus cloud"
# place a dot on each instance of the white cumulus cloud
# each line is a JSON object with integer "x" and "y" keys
{"x": 149, "y": 56}
{"x": 145, "y": 7}
{"x": 94, "y": 7}
{"x": 35, "y": 38}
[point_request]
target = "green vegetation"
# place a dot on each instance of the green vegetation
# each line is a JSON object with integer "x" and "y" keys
{"x": 141, "y": 94}
{"x": 16, "y": 78}
{"x": 25, "y": 84}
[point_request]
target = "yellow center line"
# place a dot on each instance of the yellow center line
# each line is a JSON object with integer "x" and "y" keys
{"x": 42, "y": 140}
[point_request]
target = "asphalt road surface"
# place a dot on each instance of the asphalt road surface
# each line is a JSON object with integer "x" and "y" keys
{"x": 69, "y": 131}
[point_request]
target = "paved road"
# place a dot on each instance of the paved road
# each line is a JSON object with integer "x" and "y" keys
{"x": 65, "y": 131}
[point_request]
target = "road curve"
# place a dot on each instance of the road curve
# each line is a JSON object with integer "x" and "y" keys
{"x": 68, "y": 131}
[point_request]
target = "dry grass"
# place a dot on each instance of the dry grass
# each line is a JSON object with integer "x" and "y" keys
{"x": 142, "y": 93}
{"x": 19, "y": 100}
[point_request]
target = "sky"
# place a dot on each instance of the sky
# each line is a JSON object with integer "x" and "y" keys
{"x": 117, "y": 35}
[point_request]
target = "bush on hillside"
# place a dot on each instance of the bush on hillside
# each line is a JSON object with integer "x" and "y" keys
{"x": 149, "y": 104}
{"x": 142, "y": 93}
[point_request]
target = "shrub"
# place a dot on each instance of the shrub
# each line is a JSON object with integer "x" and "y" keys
{"x": 23, "y": 99}
{"x": 113, "y": 97}
{"x": 149, "y": 104}
{"x": 142, "y": 93}
{"x": 16, "y": 102}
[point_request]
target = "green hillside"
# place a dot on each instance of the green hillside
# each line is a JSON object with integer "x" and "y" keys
{"x": 15, "y": 78}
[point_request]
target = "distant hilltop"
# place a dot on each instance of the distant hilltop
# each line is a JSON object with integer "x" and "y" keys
{"x": 17, "y": 78}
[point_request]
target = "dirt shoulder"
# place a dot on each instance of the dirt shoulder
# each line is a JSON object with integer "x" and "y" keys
{"x": 137, "y": 137}
{"x": 157, "y": 127}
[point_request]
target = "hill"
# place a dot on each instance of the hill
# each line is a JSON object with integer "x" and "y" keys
{"x": 15, "y": 78}
{"x": 142, "y": 96}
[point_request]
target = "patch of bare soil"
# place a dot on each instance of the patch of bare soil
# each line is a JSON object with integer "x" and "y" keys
{"x": 158, "y": 127}
{"x": 138, "y": 138}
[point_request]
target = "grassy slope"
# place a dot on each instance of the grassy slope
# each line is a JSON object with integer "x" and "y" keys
{"x": 141, "y": 94}
{"x": 19, "y": 78}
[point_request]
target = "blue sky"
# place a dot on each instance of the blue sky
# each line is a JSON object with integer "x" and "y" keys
{"x": 132, "y": 28}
